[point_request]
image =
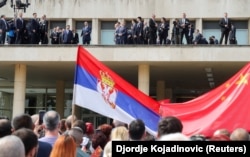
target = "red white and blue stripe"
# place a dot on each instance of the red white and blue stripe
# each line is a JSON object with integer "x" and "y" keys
{"x": 99, "y": 89}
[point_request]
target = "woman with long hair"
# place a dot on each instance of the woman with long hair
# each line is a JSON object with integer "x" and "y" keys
{"x": 64, "y": 146}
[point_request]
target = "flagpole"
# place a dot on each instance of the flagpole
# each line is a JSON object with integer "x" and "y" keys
{"x": 73, "y": 100}
{"x": 73, "y": 113}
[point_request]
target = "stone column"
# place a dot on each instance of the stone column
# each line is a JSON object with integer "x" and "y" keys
{"x": 120, "y": 19}
{"x": 60, "y": 96}
{"x": 160, "y": 90}
{"x": 96, "y": 32}
{"x": 70, "y": 22}
{"x": 169, "y": 93}
{"x": 19, "y": 89}
{"x": 171, "y": 27}
{"x": 143, "y": 78}
{"x": 198, "y": 24}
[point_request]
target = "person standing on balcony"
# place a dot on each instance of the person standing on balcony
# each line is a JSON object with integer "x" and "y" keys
{"x": 75, "y": 37}
{"x": 133, "y": 31}
{"x": 43, "y": 30}
{"x": 86, "y": 34}
{"x": 225, "y": 25}
{"x": 190, "y": 34}
{"x": 122, "y": 33}
{"x": 175, "y": 37}
{"x": 232, "y": 35}
{"x": 67, "y": 36}
{"x": 3, "y": 29}
{"x": 19, "y": 27}
{"x": 139, "y": 30}
{"x": 184, "y": 22}
{"x": 34, "y": 30}
{"x": 163, "y": 31}
{"x": 152, "y": 30}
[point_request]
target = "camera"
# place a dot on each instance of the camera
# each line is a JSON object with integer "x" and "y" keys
{"x": 19, "y": 5}
{"x": 2, "y": 3}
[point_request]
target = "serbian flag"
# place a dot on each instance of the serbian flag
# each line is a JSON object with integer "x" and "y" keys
{"x": 101, "y": 90}
{"x": 225, "y": 107}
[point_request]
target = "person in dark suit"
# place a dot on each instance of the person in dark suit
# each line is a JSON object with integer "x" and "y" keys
{"x": 67, "y": 36}
{"x": 133, "y": 31}
{"x": 232, "y": 35}
{"x": 145, "y": 33}
{"x": 75, "y": 37}
{"x": 198, "y": 37}
{"x": 225, "y": 25}
{"x": 34, "y": 29}
{"x": 213, "y": 40}
{"x": 163, "y": 31}
{"x": 54, "y": 36}
{"x": 4, "y": 26}
{"x": 86, "y": 33}
{"x": 190, "y": 34}
{"x": 139, "y": 30}
{"x": 44, "y": 30}
{"x": 183, "y": 27}
{"x": 116, "y": 36}
{"x": 175, "y": 36}
{"x": 20, "y": 27}
{"x": 152, "y": 30}
{"x": 26, "y": 36}
{"x": 122, "y": 33}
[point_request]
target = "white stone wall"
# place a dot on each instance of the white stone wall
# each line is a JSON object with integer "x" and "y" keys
{"x": 114, "y": 9}
{"x": 126, "y": 54}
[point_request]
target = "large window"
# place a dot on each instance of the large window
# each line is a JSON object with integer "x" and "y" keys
{"x": 107, "y": 32}
{"x": 212, "y": 28}
{"x": 241, "y": 32}
{"x": 61, "y": 24}
{"x": 6, "y": 101}
{"x": 45, "y": 99}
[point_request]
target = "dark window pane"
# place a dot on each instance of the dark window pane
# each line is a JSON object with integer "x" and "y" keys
{"x": 240, "y": 24}
{"x": 211, "y": 25}
{"x": 80, "y": 24}
{"x": 215, "y": 24}
{"x": 108, "y": 25}
{"x": 54, "y": 24}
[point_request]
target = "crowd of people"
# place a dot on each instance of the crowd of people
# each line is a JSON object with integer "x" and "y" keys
{"x": 36, "y": 31}
{"x": 72, "y": 137}
{"x": 151, "y": 32}
{"x": 20, "y": 31}
{"x": 139, "y": 31}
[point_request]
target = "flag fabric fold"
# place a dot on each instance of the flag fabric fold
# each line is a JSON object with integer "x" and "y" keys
{"x": 226, "y": 106}
{"x": 98, "y": 88}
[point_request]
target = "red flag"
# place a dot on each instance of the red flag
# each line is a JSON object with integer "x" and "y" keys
{"x": 98, "y": 88}
{"x": 226, "y": 106}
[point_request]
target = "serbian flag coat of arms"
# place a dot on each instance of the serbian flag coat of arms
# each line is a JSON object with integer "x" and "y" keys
{"x": 99, "y": 89}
